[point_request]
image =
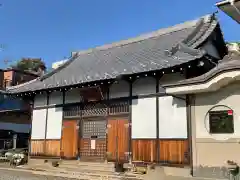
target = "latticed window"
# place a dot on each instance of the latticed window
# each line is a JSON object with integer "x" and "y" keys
{"x": 94, "y": 109}
{"x": 94, "y": 129}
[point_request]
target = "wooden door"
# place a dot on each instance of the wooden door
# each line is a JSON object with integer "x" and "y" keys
{"x": 69, "y": 139}
{"x": 93, "y": 139}
{"x": 118, "y": 140}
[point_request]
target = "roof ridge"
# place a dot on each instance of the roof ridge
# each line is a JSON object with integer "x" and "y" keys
{"x": 149, "y": 35}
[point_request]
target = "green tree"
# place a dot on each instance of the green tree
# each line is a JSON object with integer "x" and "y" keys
{"x": 30, "y": 64}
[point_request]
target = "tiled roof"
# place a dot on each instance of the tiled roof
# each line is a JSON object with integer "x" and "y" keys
{"x": 145, "y": 53}
{"x": 228, "y": 63}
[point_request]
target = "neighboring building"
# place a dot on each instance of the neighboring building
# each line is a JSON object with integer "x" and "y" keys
{"x": 231, "y": 8}
{"x": 109, "y": 103}
{"x": 15, "y": 113}
{"x": 13, "y": 77}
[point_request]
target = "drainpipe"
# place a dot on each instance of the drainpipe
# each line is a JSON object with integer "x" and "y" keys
{"x": 232, "y": 2}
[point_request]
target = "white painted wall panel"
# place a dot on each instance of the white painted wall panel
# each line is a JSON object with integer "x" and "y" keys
{"x": 21, "y": 128}
{"x": 40, "y": 100}
{"x": 54, "y": 123}
{"x": 56, "y": 98}
{"x": 144, "y": 118}
{"x": 38, "y": 124}
{"x": 144, "y": 86}
{"x": 172, "y": 118}
{"x": 72, "y": 96}
{"x": 121, "y": 89}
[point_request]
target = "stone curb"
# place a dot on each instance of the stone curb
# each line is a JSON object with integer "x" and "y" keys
{"x": 73, "y": 175}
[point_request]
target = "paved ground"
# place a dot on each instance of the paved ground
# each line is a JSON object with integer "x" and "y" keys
{"x": 18, "y": 175}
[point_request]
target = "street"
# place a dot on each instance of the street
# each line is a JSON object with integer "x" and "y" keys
{"x": 18, "y": 175}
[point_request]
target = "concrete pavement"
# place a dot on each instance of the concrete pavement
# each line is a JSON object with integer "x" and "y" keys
{"x": 26, "y": 175}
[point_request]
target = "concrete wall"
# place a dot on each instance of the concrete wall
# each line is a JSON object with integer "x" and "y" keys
{"x": 211, "y": 152}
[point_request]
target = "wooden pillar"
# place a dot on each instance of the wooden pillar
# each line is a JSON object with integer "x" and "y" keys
{"x": 189, "y": 131}
{"x": 63, "y": 104}
{"x": 107, "y": 98}
{"x": 157, "y": 120}
{"x": 45, "y": 138}
{"x": 130, "y": 123}
{"x": 30, "y": 135}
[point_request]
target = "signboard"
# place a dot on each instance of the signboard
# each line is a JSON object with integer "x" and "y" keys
{"x": 93, "y": 144}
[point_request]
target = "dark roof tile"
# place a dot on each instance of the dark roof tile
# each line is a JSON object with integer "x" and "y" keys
{"x": 142, "y": 54}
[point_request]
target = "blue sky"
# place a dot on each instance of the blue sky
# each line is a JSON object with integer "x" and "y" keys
{"x": 51, "y": 29}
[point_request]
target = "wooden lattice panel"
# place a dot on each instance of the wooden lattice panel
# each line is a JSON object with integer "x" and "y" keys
{"x": 98, "y": 153}
{"x": 94, "y": 109}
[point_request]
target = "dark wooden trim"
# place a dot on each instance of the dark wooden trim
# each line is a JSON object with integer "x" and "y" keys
{"x": 130, "y": 120}
{"x": 108, "y": 95}
{"x": 189, "y": 132}
{"x": 159, "y": 94}
{"x": 166, "y": 139}
{"x": 63, "y": 94}
{"x": 44, "y": 157}
{"x": 30, "y": 135}
{"x": 37, "y": 139}
{"x": 46, "y": 124}
{"x": 50, "y": 139}
{"x": 157, "y": 120}
{"x": 48, "y": 106}
{"x": 144, "y": 138}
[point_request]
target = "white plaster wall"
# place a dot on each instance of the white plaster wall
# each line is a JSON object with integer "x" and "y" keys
{"x": 56, "y": 98}
{"x": 21, "y": 128}
{"x": 40, "y": 100}
{"x": 172, "y": 118}
{"x": 171, "y": 78}
{"x": 228, "y": 96}
{"x": 72, "y": 96}
{"x": 120, "y": 89}
{"x": 54, "y": 123}
{"x": 144, "y": 86}
{"x": 144, "y": 118}
{"x": 38, "y": 124}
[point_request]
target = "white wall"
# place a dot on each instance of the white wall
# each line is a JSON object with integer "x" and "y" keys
{"x": 38, "y": 124}
{"x": 229, "y": 96}
{"x": 21, "y": 128}
{"x": 144, "y": 118}
{"x": 144, "y": 86}
{"x": 54, "y": 123}
{"x": 72, "y": 96}
{"x": 40, "y": 100}
{"x": 56, "y": 98}
{"x": 172, "y": 118}
{"x": 120, "y": 89}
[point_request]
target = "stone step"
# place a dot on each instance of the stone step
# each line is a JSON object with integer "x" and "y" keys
{"x": 176, "y": 171}
{"x": 91, "y": 164}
